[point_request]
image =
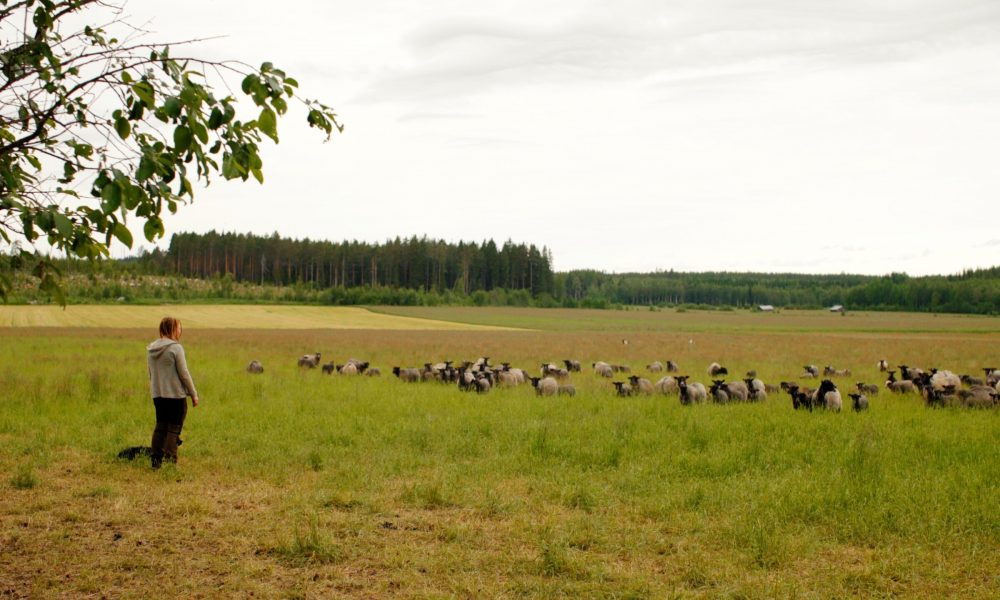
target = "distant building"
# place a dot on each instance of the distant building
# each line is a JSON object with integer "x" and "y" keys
{"x": 765, "y": 308}
{"x": 837, "y": 308}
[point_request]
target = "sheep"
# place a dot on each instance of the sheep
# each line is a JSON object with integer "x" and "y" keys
{"x": 859, "y": 402}
{"x": 992, "y": 375}
{"x": 719, "y": 392}
{"x": 829, "y": 371}
{"x": 666, "y": 385}
{"x": 621, "y": 368}
{"x": 309, "y": 360}
{"x": 406, "y": 374}
{"x": 738, "y": 390}
{"x": 640, "y": 385}
{"x": 828, "y": 395}
{"x": 672, "y": 367}
{"x": 567, "y": 390}
{"x": 940, "y": 379}
{"x": 349, "y": 369}
{"x": 979, "y": 397}
{"x": 899, "y": 387}
{"x": 757, "y": 390}
{"x": 507, "y": 379}
{"x": 552, "y": 370}
{"x": 655, "y": 367}
{"x": 883, "y": 365}
{"x": 360, "y": 365}
{"x": 867, "y": 388}
{"x": 910, "y": 373}
{"x": 255, "y": 367}
{"x": 373, "y": 372}
{"x": 328, "y": 368}
{"x": 622, "y": 388}
{"x": 483, "y": 384}
{"x": 771, "y": 388}
{"x": 799, "y": 398}
{"x": 690, "y": 393}
{"x": 545, "y": 387}
{"x": 811, "y": 371}
{"x": 970, "y": 380}
{"x": 603, "y": 369}
{"x": 572, "y": 365}
{"x": 752, "y": 374}
{"x": 466, "y": 379}
{"x": 715, "y": 369}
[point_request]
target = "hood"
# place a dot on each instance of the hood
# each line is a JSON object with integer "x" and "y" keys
{"x": 157, "y": 348}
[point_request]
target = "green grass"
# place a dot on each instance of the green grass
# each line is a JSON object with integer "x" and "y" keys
{"x": 296, "y": 484}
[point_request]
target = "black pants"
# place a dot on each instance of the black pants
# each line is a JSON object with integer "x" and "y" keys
{"x": 170, "y": 413}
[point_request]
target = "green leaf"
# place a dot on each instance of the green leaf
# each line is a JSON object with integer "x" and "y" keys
{"x": 123, "y": 128}
{"x": 199, "y": 132}
{"x": 182, "y": 138}
{"x": 257, "y": 174}
{"x": 64, "y": 225}
{"x": 123, "y": 234}
{"x": 145, "y": 170}
{"x": 248, "y": 83}
{"x": 145, "y": 92}
{"x": 111, "y": 195}
{"x": 279, "y": 105}
{"x": 215, "y": 120}
{"x": 268, "y": 123}
{"x": 153, "y": 228}
{"x": 172, "y": 106}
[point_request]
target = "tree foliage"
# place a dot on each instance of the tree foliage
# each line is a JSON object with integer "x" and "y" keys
{"x": 101, "y": 131}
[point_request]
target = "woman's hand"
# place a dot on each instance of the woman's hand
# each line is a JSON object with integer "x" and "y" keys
{"x": 194, "y": 400}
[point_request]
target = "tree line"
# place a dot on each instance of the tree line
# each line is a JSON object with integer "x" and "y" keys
{"x": 423, "y": 271}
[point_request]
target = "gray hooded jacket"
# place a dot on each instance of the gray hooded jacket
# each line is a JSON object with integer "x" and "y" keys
{"x": 168, "y": 372}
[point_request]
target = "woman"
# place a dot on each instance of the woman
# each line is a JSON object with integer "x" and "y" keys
{"x": 170, "y": 384}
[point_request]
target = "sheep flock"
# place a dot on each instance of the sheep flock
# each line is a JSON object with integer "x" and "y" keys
{"x": 938, "y": 388}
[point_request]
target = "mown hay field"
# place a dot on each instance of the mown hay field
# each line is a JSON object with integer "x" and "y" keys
{"x": 298, "y": 484}
{"x": 221, "y": 317}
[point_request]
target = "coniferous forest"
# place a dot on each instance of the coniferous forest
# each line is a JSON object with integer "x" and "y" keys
{"x": 415, "y": 271}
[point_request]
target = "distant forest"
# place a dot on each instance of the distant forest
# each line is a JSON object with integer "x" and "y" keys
{"x": 417, "y": 271}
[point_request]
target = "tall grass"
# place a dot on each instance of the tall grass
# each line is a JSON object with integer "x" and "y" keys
{"x": 298, "y": 483}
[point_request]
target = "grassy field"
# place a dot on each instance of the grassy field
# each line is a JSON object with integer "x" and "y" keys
{"x": 221, "y": 317}
{"x": 299, "y": 485}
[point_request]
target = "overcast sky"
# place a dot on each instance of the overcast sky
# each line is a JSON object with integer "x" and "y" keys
{"x": 825, "y": 136}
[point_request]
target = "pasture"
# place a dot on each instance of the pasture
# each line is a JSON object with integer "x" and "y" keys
{"x": 297, "y": 484}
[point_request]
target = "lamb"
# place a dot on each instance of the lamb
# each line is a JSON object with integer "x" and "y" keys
{"x": 655, "y": 367}
{"x": 828, "y": 395}
{"x": 719, "y": 392}
{"x": 622, "y": 388}
{"x": 483, "y": 384}
{"x": 899, "y": 387}
{"x": 883, "y": 365}
{"x": 572, "y": 365}
{"x": 757, "y": 390}
{"x": 690, "y": 393}
{"x": 360, "y": 365}
{"x": 328, "y": 368}
{"x": 373, "y": 372}
{"x": 829, "y": 371}
{"x": 255, "y": 367}
{"x": 309, "y": 360}
{"x": 672, "y": 367}
{"x": 603, "y": 369}
{"x": 867, "y": 388}
{"x": 567, "y": 390}
{"x": 545, "y": 387}
{"x": 640, "y": 385}
{"x": 811, "y": 371}
{"x": 859, "y": 402}
{"x": 666, "y": 385}
{"x": 715, "y": 369}
{"x": 992, "y": 375}
{"x": 910, "y": 373}
{"x": 407, "y": 375}
{"x": 799, "y": 398}
{"x": 752, "y": 373}
{"x": 621, "y": 368}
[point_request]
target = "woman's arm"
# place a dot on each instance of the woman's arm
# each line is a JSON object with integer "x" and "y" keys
{"x": 184, "y": 374}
